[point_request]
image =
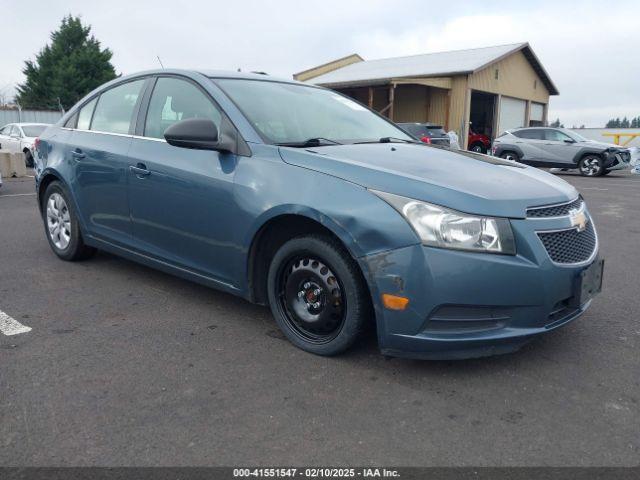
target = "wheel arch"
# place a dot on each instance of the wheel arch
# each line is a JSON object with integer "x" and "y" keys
{"x": 277, "y": 227}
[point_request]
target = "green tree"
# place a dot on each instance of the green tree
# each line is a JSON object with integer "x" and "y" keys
{"x": 624, "y": 123}
{"x": 634, "y": 122}
{"x": 67, "y": 69}
{"x": 556, "y": 124}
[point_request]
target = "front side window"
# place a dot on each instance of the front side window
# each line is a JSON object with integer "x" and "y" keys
{"x": 174, "y": 100}
{"x": 84, "y": 117}
{"x": 555, "y": 136}
{"x": 5, "y": 130}
{"x": 114, "y": 111}
{"x": 290, "y": 113}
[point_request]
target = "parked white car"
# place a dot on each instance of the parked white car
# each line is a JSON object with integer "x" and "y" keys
{"x": 19, "y": 137}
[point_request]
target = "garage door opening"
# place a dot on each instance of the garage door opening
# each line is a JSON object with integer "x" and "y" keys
{"x": 482, "y": 114}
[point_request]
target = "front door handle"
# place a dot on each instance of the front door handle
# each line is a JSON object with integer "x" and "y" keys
{"x": 77, "y": 153}
{"x": 140, "y": 170}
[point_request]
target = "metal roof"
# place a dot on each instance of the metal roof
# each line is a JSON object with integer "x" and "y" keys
{"x": 430, "y": 65}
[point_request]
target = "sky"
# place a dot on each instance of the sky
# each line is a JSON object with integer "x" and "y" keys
{"x": 588, "y": 48}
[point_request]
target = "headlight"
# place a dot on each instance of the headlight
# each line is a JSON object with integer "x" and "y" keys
{"x": 444, "y": 228}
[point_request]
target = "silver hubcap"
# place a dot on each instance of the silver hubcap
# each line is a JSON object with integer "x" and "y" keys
{"x": 58, "y": 221}
{"x": 508, "y": 156}
{"x": 590, "y": 167}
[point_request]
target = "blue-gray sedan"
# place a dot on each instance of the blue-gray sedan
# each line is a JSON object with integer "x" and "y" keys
{"x": 300, "y": 198}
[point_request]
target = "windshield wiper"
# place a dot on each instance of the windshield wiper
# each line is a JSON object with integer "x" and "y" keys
{"x": 310, "y": 142}
{"x": 391, "y": 140}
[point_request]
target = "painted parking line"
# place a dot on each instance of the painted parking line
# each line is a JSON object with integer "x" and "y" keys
{"x": 17, "y": 195}
{"x": 9, "y": 326}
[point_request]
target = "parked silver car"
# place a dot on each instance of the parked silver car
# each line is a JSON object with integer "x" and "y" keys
{"x": 557, "y": 147}
{"x": 19, "y": 137}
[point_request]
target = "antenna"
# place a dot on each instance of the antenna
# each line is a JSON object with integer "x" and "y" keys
{"x": 160, "y": 61}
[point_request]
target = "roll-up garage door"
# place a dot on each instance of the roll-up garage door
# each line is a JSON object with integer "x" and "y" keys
{"x": 512, "y": 113}
{"x": 537, "y": 112}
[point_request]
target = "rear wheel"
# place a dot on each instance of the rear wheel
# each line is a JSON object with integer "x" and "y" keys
{"x": 591, "y": 166}
{"x": 317, "y": 295}
{"x": 478, "y": 148}
{"x": 513, "y": 156}
{"x": 606, "y": 172}
{"x": 61, "y": 224}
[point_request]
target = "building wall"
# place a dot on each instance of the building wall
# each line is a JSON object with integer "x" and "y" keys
{"x": 458, "y": 119}
{"x": 516, "y": 78}
{"x": 438, "y": 98}
{"x": 411, "y": 103}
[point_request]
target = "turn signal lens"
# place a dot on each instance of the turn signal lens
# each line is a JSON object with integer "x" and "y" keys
{"x": 394, "y": 302}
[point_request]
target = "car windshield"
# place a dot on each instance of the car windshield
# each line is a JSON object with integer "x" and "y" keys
{"x": 286, "y": 113}
{"x": 33, "y": 130}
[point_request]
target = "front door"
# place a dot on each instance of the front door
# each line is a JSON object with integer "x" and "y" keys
{"x": 10, "y": 139}
{"x": 181, "y": 200}
{"x": 559, "y": 147}
{"x": 99, "y": 147}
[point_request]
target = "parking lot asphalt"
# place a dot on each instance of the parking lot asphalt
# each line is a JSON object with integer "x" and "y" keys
{"x": 125, "y": 365}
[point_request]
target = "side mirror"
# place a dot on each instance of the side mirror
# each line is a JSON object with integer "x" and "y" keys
{"x": 195, "y": 133}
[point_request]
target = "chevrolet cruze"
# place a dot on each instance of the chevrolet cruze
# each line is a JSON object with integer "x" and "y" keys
{"x": 299, "y": 198}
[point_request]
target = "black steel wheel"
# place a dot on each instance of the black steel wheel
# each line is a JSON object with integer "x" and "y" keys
{"x": 28, "y": 159}
{"x": 317, "y": 294}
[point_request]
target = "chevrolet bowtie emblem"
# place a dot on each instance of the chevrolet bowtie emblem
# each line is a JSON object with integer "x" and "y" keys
{"x": 578, "y": 219}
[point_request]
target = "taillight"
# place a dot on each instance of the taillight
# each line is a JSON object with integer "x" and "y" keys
{"x": 36, "y": 144}
{"x": 425, "y": 139}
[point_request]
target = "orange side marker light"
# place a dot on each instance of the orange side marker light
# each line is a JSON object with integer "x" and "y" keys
{"x": 394, "y": 302}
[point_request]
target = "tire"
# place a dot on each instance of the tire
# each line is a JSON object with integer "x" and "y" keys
{"x": 478, "y": 148}
{"x": 591, "y": 166}
{"x": 28, "y": 159}
{"x": 509, "y": 155}
{"x": 317, "y": 295}
{"x": 58, "y": 211}
{"x": 606, "y": 172}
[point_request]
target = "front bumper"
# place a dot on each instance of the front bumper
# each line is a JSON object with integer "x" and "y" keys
{"x": 465, "y": 305}
{"x": 618, "y": 160}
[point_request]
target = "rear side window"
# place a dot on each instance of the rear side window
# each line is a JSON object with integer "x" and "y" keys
{"x": 533, "y": 134}
{"x": 84, "y": 117}
{"x": 114, "y": 110}
{"x": 174, "y": 100}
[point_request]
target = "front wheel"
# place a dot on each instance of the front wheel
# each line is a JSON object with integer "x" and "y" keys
{"x": 591, "y": 166}
{"x": 317, "y": 295}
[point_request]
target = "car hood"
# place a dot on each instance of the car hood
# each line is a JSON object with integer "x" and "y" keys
{"x": 595, "y": 143}
{"x": 464, "y": 181}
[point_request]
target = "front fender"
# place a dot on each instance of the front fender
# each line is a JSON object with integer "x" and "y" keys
{"x": 265, "y": 189}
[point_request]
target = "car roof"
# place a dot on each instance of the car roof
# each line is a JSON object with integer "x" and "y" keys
{"x": 215, "y": 74}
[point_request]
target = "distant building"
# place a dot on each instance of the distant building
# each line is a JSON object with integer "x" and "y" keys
{"x": 487, "y": 89}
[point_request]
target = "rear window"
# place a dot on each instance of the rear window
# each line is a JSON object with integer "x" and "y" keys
{"x": 114, "y": 111}
{"x": 33, "y": 130}
{"x": 425, "y": 130}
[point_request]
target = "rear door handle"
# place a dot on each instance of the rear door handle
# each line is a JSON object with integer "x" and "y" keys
{"x": 77, "y": 153}
{"x": 140, "y": 170}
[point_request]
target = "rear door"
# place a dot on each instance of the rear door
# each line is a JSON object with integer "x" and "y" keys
{"x": 559, "y": 147}
{"x": 11, "y": 139}
{"x": 99, "y": 147}
{"x": 181, "y": 200}
{"x": 530, "y": 141}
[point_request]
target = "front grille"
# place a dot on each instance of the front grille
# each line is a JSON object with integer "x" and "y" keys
{"x": 561, "y": 210}
{"x": 570, "y": 246}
